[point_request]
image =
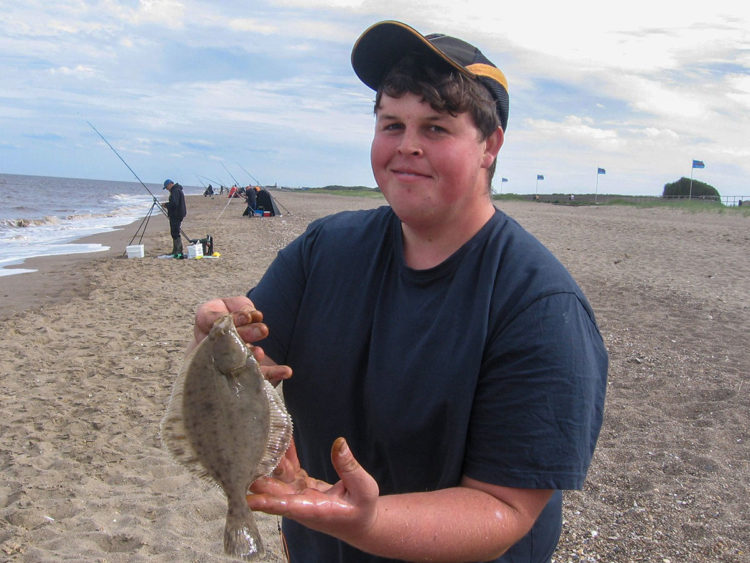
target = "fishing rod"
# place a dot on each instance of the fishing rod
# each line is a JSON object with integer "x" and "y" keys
{"x": 229, "y": 200}
{"x": 253, "y": 178}
{"x": 212, "y": 181}
{"x": 156, "y": 202}
{"x": 236, "y": 183}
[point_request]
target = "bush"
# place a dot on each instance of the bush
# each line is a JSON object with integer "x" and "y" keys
{"x": 681, "y": 188}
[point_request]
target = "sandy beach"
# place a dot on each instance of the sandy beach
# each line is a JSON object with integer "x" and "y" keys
{"x": 92, "y": 343}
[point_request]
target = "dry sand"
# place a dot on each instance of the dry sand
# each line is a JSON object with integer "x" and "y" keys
{"x": 91, "y": 345}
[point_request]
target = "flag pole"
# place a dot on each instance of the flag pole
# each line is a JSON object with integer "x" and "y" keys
{"x": 536, "y": 192}
{"x": 696, "y": 164}
{"x": 596, "y": 189}
{"x": 690, "y": 194}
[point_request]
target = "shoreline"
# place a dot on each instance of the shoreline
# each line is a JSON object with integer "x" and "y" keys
{"x": 60, "y": 277}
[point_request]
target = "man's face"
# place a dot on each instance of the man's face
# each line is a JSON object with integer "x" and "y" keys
{"x": 430, "y": 166}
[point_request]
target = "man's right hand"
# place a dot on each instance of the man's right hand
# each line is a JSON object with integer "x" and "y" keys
{"x": 250, "y": 326}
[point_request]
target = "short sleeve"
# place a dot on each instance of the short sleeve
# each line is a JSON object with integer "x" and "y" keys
{"x": 539, "y": 402}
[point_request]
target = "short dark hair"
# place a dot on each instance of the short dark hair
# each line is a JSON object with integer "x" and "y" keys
{"x": 445, "y": 90}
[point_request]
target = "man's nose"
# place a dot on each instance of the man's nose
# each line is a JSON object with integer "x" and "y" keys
{"x": 410, "y": 143}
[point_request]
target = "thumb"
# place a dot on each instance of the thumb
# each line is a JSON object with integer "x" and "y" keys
{"x": 360, "y": 484}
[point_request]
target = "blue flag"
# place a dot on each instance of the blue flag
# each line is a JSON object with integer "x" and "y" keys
{"x": 601, "y": 171}
{"x": 504, "y": 179}
{"x": 540, "y": 176}
{"x": 698, "y": 164}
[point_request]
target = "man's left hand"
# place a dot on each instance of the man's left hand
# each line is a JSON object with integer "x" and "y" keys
{"x": 346, "y": 509}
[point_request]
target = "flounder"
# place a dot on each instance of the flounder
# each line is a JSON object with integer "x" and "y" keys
{"x": 226, "y": 423}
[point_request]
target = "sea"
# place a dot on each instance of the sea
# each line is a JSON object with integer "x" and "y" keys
{"x": 45, "y": 216}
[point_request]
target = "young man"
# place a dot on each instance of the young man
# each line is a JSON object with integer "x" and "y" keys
{"x": 176, "y": 212}
{"x": 455, "y": 356}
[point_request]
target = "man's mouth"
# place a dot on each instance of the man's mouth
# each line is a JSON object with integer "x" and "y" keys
{"x": 406, "y": 173}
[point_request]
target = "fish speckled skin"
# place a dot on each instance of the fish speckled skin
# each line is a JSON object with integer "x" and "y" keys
{"x": 227, "y": 424}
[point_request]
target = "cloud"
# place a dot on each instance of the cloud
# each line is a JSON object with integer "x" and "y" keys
{"x": 252, "y": 25}
{"x": 637, "y": 88}
{"x": 78, "y": 70}
{"x": 576, "y": 129}
{"x": 167, "y": 13}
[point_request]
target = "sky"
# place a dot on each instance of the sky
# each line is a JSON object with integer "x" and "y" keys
{"x": 262, "y": 91}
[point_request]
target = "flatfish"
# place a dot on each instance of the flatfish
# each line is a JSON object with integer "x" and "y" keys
{"x": 226, "y": 423}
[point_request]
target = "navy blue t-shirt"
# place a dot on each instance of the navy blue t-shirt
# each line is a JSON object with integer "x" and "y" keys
{"x": 488, "y": 365}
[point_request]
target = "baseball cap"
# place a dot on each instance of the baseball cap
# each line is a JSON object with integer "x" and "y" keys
{"x": 166, "y": 183}
{"x": 383, "y": 44}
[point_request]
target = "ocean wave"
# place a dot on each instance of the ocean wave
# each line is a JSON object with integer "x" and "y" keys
{"x": 134, "y": 198}
{"x": 129, "y": 211}
{"x": 22, "y": 222}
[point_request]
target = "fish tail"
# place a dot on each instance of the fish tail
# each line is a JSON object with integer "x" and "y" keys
{"x": 241, "y": 536}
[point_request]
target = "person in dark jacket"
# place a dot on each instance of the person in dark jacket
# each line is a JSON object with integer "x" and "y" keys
{"x": 176, "y": 211}
{"x": 251, "y": 196}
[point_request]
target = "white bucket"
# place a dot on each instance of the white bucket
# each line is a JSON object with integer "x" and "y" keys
{"x": 195, "y": 251}
{"x": 135, "y": 251}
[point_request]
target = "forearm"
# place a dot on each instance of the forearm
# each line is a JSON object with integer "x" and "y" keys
{"x": 475, "y": 521}
{"x": 456, "y": 524}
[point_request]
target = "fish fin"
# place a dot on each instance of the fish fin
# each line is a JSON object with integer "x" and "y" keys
{"x": 279, "y": 433}
{"x": 173, "y": 433}
{"x": 241, "y": 536}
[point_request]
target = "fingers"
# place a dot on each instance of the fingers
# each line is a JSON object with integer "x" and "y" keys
{"x": 210, "y": 311}
{"x": 288, "y": 477}
{"x": 251, "y": 330}
{"x": 346, "y": 510}
{"x": 276, "y": 373}
{"x": 246, "y": 314}
{"x": 291, "y": 457}
{"x": 272, "y": 487}
{"x": 342, "y": 457}
{"x": 247, "y": 320}
{"x": 206, "y": 315}
{"x": 289, "y": 469}
{"x": 359, "y": 484}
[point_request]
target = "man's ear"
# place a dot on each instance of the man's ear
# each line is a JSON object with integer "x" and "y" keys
{"x": 492, "y": 146}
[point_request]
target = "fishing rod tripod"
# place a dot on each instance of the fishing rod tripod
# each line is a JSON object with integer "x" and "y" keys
{"x": 141, "y": 230}
{"x": 144, "y": 223}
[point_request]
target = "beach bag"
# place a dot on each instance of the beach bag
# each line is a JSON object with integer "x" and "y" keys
{"x": 208, "y": 245}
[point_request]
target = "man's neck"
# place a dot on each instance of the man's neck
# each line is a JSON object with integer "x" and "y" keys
{"x": 427, "y": 247}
